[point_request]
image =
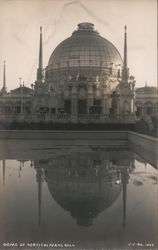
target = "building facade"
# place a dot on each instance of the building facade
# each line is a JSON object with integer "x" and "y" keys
{"x": 86, "y": 80}
{"x": 146, "y": 101}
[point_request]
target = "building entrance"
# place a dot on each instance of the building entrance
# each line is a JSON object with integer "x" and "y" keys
{"x": 82, "y": 107}
{"x": 67, "y": 106}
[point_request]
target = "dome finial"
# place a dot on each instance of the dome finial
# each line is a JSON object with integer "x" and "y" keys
{"x": 20, "y": 79}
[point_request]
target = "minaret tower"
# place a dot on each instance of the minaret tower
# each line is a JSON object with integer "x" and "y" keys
{"x": 125, "y": 70}
{"x": 126, "y": 91}
{"x": 4, "y": 88}
{"x": 40, "y": 66}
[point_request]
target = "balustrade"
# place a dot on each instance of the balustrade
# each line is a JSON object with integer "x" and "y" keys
{"x": 65, "y": 118}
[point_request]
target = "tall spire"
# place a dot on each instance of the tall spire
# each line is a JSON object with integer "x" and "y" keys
{"x": 40, "y": 66}
{"x": 4, "y": 88}
{"x": 40, "y": 51}
{"x": 125, "y": 49}
{"x": 125, "y": 70}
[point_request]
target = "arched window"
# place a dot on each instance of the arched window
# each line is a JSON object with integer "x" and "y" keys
{"x": 148, "y": 108}
{"x": 8, "y": 108}
{"x": 126, "y": 107}
{"x": 1, "y": 107}
{"x": 82, "y": 106}
{"x": 156, "y": 107}
{"x": 67, "y": 106}
{"x": 97, "y": 102}
{"x": 139, "y": 108}
{"x": 17, "y": 107}
{"x": 27, "y": 107}
{"x": 96, "y": 108}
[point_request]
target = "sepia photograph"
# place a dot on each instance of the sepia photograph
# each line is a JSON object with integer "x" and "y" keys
{"x": 78, "y": 125}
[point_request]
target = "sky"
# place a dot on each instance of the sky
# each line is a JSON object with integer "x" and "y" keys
{"x": 20, "y": 22}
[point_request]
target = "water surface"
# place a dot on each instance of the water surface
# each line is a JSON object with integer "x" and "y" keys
{"x": 86, "y": 196}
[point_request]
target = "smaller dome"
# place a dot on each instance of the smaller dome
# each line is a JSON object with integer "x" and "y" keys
{"x": 146, "y": 90}
{"x": 23, "y": 89}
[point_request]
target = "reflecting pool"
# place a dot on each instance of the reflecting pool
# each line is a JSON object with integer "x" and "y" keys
{"x": 87, "y": 197}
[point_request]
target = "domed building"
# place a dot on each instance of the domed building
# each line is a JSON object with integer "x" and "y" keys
{"x": 85, "y": 81}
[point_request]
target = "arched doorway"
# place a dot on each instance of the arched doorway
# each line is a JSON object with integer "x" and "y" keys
{"x": 8, "y": 108}
{"x": 82, "y": 106}
{"x": 27, "y": 107}
{"x": 1, "y": 107}
{"x": 148, "y": 107}
{"x": 17, "y": 107}
{"x": 67, "y": 106}
{"x": 97, "y": 108}
{"x": 139, "y": 109}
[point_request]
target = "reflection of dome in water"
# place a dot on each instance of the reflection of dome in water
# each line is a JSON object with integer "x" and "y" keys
{"x": 83, "y": 197}
{"x": 84, "y": 53}
{"x": 85, "y": 183}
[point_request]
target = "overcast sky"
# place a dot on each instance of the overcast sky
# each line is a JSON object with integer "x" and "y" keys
{"x": 20, "y": 21}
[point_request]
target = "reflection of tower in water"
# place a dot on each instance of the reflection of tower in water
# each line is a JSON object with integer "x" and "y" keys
{"x": 84, "y": 185}
{"x": 124, "y": 177}
{"x": 40, "y": 179}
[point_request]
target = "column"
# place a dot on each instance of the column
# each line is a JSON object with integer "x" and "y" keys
{"x": 74, "y": 101}
{"x": 104, "y": 105}
{"x": 118, "y": 105}
{"x": 90, "y": 97}
{"x": 74, "y": 105}
{"x": 108, "y": 106}
{"x": 90, "y": 102}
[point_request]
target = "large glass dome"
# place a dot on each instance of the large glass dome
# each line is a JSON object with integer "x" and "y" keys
{"x": 84, "y": 53}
